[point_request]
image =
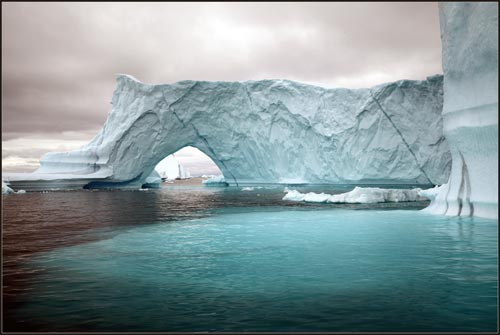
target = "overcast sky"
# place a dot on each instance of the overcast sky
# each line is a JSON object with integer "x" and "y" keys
{"x": 59, "y": 60}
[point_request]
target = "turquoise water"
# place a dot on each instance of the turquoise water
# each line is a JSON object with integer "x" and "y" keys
{"x": 275, "y": 269}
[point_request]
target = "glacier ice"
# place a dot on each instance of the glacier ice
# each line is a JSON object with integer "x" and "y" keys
{"x": 469, "y": 33}
{"x": 269, "y": 131}
{"x": 362, "y": 195}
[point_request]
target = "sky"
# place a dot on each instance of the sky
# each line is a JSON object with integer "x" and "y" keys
{"x": 59, "y": 60}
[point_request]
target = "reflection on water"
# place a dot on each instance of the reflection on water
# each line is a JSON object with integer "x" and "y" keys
{"x": 222, "y": 259}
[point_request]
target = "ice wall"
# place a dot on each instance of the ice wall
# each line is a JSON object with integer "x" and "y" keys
{"x": 269, "y": 131}
{"x": 469, "y": 33}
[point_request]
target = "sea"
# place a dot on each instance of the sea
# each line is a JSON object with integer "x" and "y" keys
{"x": 191, "y": 258}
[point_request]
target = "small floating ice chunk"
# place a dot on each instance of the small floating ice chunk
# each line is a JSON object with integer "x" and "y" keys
{"x": 5, "y": 188}
{"x": 293, "y": 195}
{"x": 251, "y": 188}
{"x": 358, "y": 195}
{"x": 315, "y": 197}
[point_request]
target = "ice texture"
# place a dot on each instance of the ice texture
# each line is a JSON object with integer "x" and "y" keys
{"x": 362, "y": 195}
{"x": 269, "y": 131}
{"x": 469, "y": 33}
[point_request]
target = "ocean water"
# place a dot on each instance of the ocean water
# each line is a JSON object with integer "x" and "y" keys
{"x": 200, "y": 259}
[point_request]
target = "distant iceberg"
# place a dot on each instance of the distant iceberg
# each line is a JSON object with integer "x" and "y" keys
{"x": 251, "y": 188}
{"x": 360, "y": 195}
{"x": 5, "y": 188}
{"x": 170, "y": 168}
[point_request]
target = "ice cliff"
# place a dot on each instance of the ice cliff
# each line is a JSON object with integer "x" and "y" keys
{"x": 269, "y": 131}
{"x": 469, "y": 33}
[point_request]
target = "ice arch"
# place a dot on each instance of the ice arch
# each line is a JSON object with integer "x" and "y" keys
{"x": 196, "y": 162}
{"x": 270, "y": 131}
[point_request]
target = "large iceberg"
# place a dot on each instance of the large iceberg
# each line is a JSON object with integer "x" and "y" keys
{"x": 269, "y": 131}
{"x": 469, "y": 33}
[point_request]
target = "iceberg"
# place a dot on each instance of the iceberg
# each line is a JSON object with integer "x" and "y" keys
{"x": 469, "y": 33}
{"x": 265, "y": 132}
{"x": 361, "y": 195}
{"x": 183, "y": 172}
{"x": 5, "y": 188}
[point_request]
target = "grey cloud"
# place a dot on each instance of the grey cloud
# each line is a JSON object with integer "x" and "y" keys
{"x": 59, "y": 59}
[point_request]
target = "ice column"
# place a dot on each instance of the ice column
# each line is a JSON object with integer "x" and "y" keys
{"x": 469, "y": 33}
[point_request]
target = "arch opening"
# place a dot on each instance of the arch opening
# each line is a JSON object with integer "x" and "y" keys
{"x": 188, "y": 162}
